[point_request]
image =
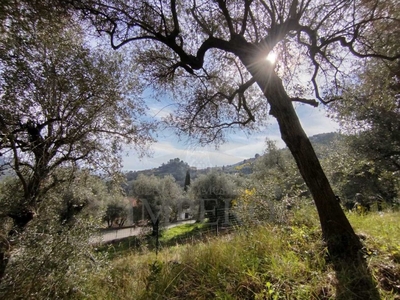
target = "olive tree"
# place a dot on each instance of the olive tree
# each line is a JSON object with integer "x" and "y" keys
{"x": 212, "y": 56}
{"x": 161, "y": 197}
{"x": 277, "y": 172}
{"x": 116, "y": 213}
{"x": 63, "y": 105}
{"x": 275, "y": 188}
{"x": 213, "y": 191}
{"x": 369, "y": 113}
{"x": 52, "y": 256}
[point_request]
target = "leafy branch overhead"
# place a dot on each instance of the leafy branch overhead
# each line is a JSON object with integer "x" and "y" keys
{"x": 187, "y": 40}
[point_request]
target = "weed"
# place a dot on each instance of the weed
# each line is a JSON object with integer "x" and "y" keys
{"x": 285, "y": 261}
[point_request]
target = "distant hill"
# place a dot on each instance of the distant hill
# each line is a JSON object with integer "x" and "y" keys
{"x": 320, "y": 143}
{"x": 177, "y": 168}
{"x": 325, "y": 139}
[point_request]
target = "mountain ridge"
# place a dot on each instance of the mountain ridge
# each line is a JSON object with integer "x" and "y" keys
{"x": 178, "y": 168}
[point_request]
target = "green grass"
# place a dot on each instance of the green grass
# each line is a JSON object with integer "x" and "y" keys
{"x": 382, "y": 232}
{"x": 266, "y": 262}
{"x": 181, "y": 232}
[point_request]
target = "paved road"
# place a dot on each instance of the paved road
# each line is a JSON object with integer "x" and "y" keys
{"x": 116, "y": 234}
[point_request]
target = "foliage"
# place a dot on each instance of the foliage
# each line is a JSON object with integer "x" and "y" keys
{"x": 215, "y": 185}
{"x": 277, "y": 172}
{"x": 51, "y": 259}
{"x": 63, "y": 105}
{"x": 275, "y": 187}
{"x": 211, "y": 191}
{"x": 255, "y": 206}
{"x": 348, "y": 168}
{"x": 162, "y": 197}
{"x": 372, "y": 120}
{"x": 204, "y": 53}
{"x": 187, "y": 181}
{"x": 352, "y": 172}
{"x": 116, "y": 214}
{"x": 86, "y": 194}
{"x": 369, "y": 112}
{"x": 51, "y": 265}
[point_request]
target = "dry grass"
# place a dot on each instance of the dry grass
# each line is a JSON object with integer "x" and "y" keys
{"x": 267, "y": 262}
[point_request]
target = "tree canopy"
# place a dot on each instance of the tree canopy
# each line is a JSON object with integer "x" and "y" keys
{"x": 370, "y": 112}
{"x": 66, "y": 104}
{"x": 63, "y": 105}
{"x": 161, "y": 196}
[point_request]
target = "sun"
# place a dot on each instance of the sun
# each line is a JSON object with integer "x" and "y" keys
{"x": 271, "y": 57}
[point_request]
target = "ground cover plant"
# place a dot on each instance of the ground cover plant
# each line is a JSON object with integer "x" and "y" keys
{"x": 286, "y": 261}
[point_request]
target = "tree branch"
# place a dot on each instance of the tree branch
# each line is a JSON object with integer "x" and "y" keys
{"x": 245, "y": 16}
{"x": 311, "y": 102}
{"x": 228, "y": 19}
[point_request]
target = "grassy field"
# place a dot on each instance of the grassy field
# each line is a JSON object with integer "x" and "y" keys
{"x": 286, "y": 261}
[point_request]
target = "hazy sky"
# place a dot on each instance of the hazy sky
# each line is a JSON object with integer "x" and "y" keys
{"x": 238, "y": 147}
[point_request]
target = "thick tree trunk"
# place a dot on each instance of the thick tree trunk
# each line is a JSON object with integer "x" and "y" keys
{"x": 337, "y": 231}
{"x": 20, "y": 222}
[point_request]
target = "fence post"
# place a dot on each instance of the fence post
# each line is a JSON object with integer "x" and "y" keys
{"x": 157, "y": 234}
{"x": 217, "y": 219}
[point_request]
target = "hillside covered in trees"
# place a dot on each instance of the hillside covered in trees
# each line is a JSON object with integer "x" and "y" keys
{"x": 178, "y": 168}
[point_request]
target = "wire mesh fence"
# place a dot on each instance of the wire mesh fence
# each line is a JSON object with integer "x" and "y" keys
{"x": 219, "y": 221}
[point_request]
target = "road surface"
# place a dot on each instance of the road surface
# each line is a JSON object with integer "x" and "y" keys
{"x": 116, "y": 234}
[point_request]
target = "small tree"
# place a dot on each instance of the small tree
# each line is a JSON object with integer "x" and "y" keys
{"x": 116, "y": 213}
{"x": 276, "y": 171}
{"x": 353, "y": 172}
{"x": 51, "y": 256}
{"x": 160, "y": 196}
{"x": 213, "y": 191}
{"x": 187, "y": 181}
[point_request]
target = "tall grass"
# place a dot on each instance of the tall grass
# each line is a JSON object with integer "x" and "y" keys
{"x": 264, "y": 262}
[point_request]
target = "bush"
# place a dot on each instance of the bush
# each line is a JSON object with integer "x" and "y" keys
{"x": 51, "y": 260}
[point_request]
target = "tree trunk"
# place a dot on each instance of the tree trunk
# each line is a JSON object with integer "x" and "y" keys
{"x": 4, "y": 256}
{"x": 20, "y": 220}
{"x": 336, "y": 229}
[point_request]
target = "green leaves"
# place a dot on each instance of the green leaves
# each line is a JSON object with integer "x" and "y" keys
{"x": 162, "y": 196}
{"x": 65, "y": 104}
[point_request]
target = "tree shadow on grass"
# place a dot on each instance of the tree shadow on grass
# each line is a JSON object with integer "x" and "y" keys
{"x": 354, "y": 280}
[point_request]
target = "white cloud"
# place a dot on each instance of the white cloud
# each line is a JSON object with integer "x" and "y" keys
{"x": 238, "y": 147}
{"x": 200, "y": 157}
{"x": 315, "y": 121}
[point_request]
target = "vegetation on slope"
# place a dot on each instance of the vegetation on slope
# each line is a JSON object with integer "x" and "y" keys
{"x": 286, "y": 261}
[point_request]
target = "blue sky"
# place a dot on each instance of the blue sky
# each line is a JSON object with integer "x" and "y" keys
{"x": 239, "y": 146}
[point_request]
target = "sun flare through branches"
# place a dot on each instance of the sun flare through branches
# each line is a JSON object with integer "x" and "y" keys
{"x": 271, "y": 57}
